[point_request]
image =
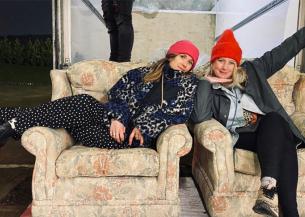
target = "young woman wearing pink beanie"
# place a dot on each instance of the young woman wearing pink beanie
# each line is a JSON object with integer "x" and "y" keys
{"x": 141, "y": 105}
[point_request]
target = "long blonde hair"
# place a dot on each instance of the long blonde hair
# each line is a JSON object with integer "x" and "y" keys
{"x": 156, "y": 69}
{"x": 239, "y": 76}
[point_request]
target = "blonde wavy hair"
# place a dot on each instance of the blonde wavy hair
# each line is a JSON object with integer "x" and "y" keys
{"x": 156, "y": 68}
{"x": 239, "y": 76}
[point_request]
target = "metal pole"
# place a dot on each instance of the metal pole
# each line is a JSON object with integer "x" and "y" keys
{"x": 94, "y": 10}
{"x": 53, "y": 33}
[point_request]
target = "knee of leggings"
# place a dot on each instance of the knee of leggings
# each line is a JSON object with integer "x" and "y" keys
{"x": 278, "y": 125}
{"x": 123, "y": 20}
{"x": 274, "y": 118}
{"x": 112, "y": 27}
{"x": 85, "y": 98}
{"x": 273, "y": 115}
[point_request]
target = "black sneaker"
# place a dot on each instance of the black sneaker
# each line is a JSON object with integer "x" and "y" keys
{"x": 6, "y": 131}
{"x": 267, "y": 202}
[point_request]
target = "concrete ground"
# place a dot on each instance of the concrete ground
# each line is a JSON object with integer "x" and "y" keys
{"x": 16, "y": 164}
{"x": 16, "y": 167}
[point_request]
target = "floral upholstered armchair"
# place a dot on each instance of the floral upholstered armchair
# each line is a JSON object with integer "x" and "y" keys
{"x": 75, "y": 181}
{"x": 229, "y": 180}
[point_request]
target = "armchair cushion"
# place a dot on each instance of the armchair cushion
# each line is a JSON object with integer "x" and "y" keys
{"x": 246, "y": 162}
{"x": 94, "y": 162}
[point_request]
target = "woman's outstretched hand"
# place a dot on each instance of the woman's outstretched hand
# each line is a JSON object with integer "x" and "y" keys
{"x": 117, "y": 131}
{"x": 213, "y": 79}
{"x": 136, "y": 134}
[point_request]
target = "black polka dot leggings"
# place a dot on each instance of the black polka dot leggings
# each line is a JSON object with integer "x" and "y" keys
{"x": 82, "y": 115}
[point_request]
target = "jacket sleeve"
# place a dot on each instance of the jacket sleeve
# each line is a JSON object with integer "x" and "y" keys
{"x": 274, "y": 60}
{"x": 119, "y": 96}
{"x": 154, "y": 118}
{"x": 203, "y": 103}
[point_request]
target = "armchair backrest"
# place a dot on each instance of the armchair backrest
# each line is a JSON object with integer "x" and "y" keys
{"x": 96, "y": 77}
{"x": 283, "y": 84}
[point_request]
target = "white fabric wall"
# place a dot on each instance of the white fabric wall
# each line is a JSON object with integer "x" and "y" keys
{"x": 262, "y": 34}
{"x": 89, "y": 37}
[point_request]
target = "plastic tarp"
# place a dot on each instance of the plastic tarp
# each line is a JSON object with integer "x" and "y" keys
{"x": 189, "y": 5}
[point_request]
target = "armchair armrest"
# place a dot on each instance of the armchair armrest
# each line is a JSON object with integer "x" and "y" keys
{"x": 298, "y": 96}
{"x": 46, "y": 144}
{"x": 172, "y": 144}
{"x": 298, "y": 119}
{"x": 213, "y": 154}
{"x": 60, "y": 84}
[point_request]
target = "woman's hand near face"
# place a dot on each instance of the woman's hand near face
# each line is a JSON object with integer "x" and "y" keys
{"x": 117, "y": 131}
{"x": 136, "y": 134}
{"x": 214, "y": 79}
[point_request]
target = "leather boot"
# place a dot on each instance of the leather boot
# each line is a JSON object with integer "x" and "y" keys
{"x": 267, "y": 202}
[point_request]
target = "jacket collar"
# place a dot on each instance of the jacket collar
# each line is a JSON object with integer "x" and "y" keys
{"x": 170, "y": 73}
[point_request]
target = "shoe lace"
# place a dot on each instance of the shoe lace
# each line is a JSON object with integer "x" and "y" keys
{"x": 269, "y": 193}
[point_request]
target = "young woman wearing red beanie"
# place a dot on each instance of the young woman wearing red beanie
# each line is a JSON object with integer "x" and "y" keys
{"x": 240, "y": 98}
{"x": 141, "y": 105}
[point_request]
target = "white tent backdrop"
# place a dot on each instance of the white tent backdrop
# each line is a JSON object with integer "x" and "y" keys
{"x": 90, "y": 40}
{"x": 263, "y": 33}
{"x": 89, "y": 37}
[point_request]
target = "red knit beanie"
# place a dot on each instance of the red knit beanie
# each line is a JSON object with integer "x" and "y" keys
{"x": 227, "y": 46}
{"x": 185, "y": 47}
